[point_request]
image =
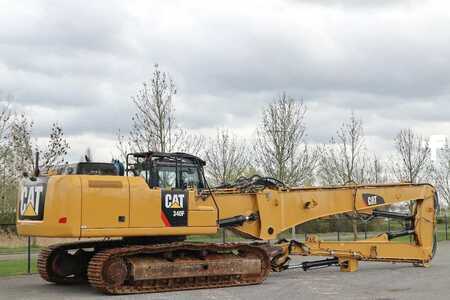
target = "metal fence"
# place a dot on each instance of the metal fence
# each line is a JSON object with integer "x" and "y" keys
{"x": 341, "y": 228}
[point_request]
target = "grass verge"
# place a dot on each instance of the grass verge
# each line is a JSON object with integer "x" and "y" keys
{"x": 18, "y": 250}
{"x": 16, "y": 267}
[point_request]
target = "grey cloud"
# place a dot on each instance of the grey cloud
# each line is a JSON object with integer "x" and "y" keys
{"x": 64, "y": 28}
{"x": 80, "y": 62}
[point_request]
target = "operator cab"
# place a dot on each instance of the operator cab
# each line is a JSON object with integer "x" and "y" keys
{"x": 167, "y": 170}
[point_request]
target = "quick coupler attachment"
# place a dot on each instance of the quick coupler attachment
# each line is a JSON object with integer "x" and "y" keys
{"x": 316, "y": 264}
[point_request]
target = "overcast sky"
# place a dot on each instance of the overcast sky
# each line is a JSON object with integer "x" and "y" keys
{"x": 79, "y": 62}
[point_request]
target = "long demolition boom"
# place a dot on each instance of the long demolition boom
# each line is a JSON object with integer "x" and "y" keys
{"x": 265, "y": 214}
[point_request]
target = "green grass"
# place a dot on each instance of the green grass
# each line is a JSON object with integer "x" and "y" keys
{"x": 18, "y": 250}
{"x": 16, "y": 267}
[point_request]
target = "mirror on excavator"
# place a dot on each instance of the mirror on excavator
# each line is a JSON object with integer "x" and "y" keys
{"x": 167, "y": 170}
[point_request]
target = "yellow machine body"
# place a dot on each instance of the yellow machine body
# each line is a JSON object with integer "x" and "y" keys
{"x": 83, "y": 206}
{"x": 110, "y": 206}
{"x": 166, "y": 198}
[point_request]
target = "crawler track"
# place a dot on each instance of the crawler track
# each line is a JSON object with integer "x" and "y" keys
{"x": 46, "y": 272}
{"x": 97, "y": 277}
{"x": 47, "y": 257}
{"x": 187, "y": 256}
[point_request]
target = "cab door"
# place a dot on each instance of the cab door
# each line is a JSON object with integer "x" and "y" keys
{"x": 105, "y": 201}
{"x": 145, "y": 204}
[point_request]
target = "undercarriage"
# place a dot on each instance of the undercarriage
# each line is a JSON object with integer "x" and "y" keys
{"x": 114, "y": 267}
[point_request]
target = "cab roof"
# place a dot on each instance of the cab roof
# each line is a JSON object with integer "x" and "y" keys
{"x": 180, "y": 155}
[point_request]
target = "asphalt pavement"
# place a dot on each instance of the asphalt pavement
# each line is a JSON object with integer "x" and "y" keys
{"x": 372, "y": 281}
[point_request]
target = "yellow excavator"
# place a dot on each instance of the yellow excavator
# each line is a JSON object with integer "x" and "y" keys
{"x": 142, "y": 215}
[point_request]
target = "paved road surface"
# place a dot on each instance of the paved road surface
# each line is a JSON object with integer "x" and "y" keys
{"x": 372, "y": 281}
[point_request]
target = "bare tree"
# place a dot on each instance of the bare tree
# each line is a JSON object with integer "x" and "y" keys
{"x": 376, "y": 171}
{"x": 16, "y": 151}
{"x": 5, "y": 130}
{"x": 153, "y": 125}
{"x": 226, "y": 157}
{"x": 344, "y": 160}
{"x": 153, "y": 122}
{"x": 123, "y": 145}
{"x": 15, "y": 157}
{"x": 7, "y": 177}
{"x": 280, "y": 148}
{"x": 22, "y": 144}
{"x": 442, "y": 174}
{"x": 189, "y": 142}
{"x": 413, "y": 160}
{"x": 5, "y": 123}
{"x": 24, "y": 148}
{"x": 57, "y": 147}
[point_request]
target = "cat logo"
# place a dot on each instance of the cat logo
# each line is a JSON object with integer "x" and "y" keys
{"x": 174, "y": 207}
{"x": 32, "y": 202}
{"x": 174, "y": 201}
{"x": 372, "y": 199}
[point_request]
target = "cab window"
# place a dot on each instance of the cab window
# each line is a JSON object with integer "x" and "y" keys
{"x": 167, "y": 177}
{"x": 190, "y": 178}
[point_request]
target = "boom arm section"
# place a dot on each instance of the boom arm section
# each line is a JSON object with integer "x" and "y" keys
{"x": 279, "y": 210}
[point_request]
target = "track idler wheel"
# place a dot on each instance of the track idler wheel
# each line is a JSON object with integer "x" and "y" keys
{"x": 60, "y": 266}
{"x": 115, "y": 272}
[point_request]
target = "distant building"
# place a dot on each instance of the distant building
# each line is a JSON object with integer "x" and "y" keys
{"x": 437, "y": 144}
